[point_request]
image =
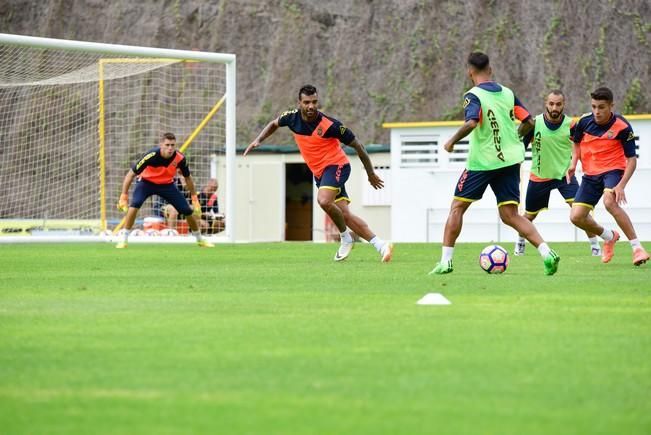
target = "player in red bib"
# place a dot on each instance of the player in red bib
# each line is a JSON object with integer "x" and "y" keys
{"x": 605, "y": 144}
{"x": 155, "y": 173}
{"x": 318, "y": 136}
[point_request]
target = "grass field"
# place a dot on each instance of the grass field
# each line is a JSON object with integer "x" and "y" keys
{"x": 278, "y": 339}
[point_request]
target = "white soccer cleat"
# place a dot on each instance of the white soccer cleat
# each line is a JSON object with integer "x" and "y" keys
{"x": 387, "y": 252}
{"x": 519, "y": 248}
{"x": 344, "y": 250}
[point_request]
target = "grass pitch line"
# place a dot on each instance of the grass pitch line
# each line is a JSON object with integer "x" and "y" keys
{"x": 433, "y": 299}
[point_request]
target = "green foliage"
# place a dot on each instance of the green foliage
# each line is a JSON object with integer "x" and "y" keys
{"x": 634, "y": 100}
{"x": 277, "y": 338}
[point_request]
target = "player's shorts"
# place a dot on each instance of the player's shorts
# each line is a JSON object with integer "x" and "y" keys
{"x": 593, "y": 187}
{"x": 504, "y": 182}
{"x": 144, "y": 189}
{"x": 334, "y": 177}
{"x": 538, "y": 192}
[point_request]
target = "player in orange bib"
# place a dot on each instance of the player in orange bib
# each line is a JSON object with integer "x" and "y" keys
{"x": 155, "y": 172}
{"x": 318, "y": 136}
{"x": 605, "y": 144}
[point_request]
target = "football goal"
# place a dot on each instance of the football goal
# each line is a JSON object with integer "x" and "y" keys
{"x": 76, "y": 115}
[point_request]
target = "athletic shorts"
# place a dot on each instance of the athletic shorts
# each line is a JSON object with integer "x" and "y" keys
{"x": 593, "y": 187}
{"x": 334, "y": 177}
{"x": 538, "y": 193}
{"x": 144, "y": 189}
{"x": 504, "y": 182}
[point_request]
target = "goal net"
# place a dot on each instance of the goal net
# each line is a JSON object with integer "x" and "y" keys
{"x": 75, "y": 117}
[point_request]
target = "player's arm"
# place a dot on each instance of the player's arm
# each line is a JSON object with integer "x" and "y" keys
{"x": 267, "y": 131}
{"x": 628, "y": 142}
{"x": 373, "y": 178}
{"x": 576, "y": 134}
{"x": 521, "y": 113}
{"x": 464, "y": 131}
{"x": 571, "y": 170}
{"x": 123, "y": 202}
{"x": 472, "y": 115}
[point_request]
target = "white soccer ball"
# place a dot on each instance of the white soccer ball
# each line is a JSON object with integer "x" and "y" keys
{"x": 494, "y": 259}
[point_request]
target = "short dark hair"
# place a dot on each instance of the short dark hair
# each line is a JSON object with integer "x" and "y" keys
{"x": 602, "y": 94}
{"x": 478, "y": 60}
{"x": 169, "y": 136}
{"x": 557, "y": 92}
{"x": 306, "y": 90}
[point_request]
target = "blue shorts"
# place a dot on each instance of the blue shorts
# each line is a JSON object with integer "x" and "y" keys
{"x": 144, "y": 189}
{"x": 504, "y": 182}
{"x": 334, "y": 177}
{"x": 594, "y": 186}
{"x": 538, "y": 193}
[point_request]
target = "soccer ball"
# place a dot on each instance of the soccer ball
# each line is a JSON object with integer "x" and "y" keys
{"x": 494, "y": 259}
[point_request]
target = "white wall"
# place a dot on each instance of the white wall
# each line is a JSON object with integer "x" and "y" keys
{"x": 424, "y": 177}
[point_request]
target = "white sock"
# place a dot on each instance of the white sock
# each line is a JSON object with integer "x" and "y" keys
{"x": 607, "y": 235}
{"x": 378, "y": 243}
{"x": 446, "y": 253}
{"x": 635, "y": 243}
{"x": 543, "y": 249}
{"x": 346, "y": 237}
{"x": 124, "y": 235}
{"x": 594, "y": 242}
{"x": 520, "y": 240}
{"x": 197, "y": 235}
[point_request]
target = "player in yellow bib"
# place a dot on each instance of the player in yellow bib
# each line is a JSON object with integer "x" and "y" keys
{"x": 551, "y": 153}
{"x": 493, "y": 160}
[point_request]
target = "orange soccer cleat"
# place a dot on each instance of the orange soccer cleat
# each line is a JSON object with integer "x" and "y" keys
{"x": 640, "y": 256}
{"x": 609, "y": 248}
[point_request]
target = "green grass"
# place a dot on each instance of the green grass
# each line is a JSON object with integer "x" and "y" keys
{"x": 278, "y": 339}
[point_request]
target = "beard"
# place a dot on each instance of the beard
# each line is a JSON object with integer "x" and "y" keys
{"x": 554, "y": 114}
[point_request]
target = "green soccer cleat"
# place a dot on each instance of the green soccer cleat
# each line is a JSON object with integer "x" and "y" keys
{"x": 442, "y": 268}
{"x": 551, "y": 263}
{"x": 205, "y": 244}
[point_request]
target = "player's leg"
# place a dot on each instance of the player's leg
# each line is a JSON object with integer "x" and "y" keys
{"x": 624, "y": 222}
{"x": 505, "y": 183}
{"x": 361, "y": 228}
{"x": 568, "y": 191}
{"x": 171, "y": 216}
{"x": 470, "y": 188}
{"x": 172, "y": 194}
{"x": 141, "y": 192}
{"x": 588, "y": 195}
{"x": 536, "y": 200}
{"x": 329, "y": 188}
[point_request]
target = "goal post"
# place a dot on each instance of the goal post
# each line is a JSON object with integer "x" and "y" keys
{"x": 77, "y": 114}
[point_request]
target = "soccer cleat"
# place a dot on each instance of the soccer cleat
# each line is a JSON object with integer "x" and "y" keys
{"x": 640, "y": 256}
{"x": 344, "y": 250}
{"x": 596, "y": 252}
{"x": 121, "y": 245}
{"x": 387, "y": 252}
{"x": 205, "y": 244}
{"x": 609, "y": 248}
{"x": 442, "y": 267}
{"x": 551, "y": 262}
{"x": 519, "y": 247}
